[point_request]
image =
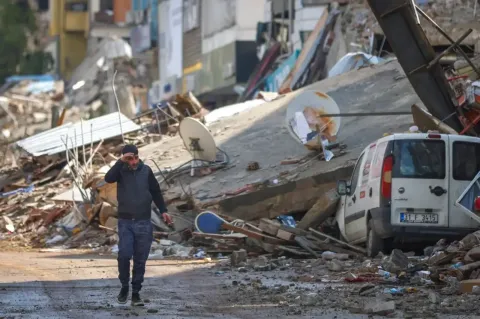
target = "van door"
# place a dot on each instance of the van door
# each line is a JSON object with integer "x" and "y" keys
{"x": 465, "y": 155}
{"x": 354, "y": 214}
{"x": 420, "y": 181}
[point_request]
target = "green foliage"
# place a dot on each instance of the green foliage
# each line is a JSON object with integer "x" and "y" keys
{"x": 16, "y": 22}
{"x": 37, "y": 62}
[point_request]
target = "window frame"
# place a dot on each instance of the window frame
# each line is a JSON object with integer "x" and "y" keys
{"x": 397, "y": 157}
{"x": 454, "y": 158}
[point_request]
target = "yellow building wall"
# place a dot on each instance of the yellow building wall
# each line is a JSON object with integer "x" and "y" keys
{"x": 72, "y": 37}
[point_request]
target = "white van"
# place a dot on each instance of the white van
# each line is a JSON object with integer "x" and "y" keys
{"x": 404, "y": 187}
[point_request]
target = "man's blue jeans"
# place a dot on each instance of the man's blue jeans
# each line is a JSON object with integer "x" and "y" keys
{"x": 135, "y": 240}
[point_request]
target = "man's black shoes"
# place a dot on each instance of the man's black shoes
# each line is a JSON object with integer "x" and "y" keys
{"x": 123, "y": 295}
{"x": 136, "y": 300}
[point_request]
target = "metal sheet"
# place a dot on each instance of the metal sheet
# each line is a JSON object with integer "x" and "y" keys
{"x": 50, "y": 142}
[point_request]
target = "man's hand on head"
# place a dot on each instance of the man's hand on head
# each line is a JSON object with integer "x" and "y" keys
{"x": 127, "y": 157}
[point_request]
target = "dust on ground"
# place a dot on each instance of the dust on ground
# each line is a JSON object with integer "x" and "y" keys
{"x": 78, "y": 285}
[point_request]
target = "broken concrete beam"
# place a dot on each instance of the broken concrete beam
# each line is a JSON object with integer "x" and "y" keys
{"x": 268, "y": 226}
{"x": 296, "y": 196}
{"x": 285, "y": 235}
{"x": 324, "y": 207}
{"x": 237, "y": 257}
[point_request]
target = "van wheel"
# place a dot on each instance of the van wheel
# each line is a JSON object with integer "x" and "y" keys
{"x": 374, "y": 242}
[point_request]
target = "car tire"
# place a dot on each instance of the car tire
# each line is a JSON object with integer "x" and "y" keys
{"x": 374, "y": 242}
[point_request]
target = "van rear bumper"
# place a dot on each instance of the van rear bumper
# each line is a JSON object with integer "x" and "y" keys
{"x": 382, "y": 226}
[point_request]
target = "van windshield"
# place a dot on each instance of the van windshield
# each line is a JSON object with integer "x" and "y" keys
{"x": 466, "y": 160}
{"x": 419, "y": 159}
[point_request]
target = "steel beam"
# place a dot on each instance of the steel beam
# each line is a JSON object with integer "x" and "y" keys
{"x": 409, "y": 43}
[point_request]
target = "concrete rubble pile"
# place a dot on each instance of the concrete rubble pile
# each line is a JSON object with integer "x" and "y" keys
{"x": 395, "y": 285}
{"x": 456, "y": 16}
{"x": 52, "y": 197}
{"x": 29, "y": 104}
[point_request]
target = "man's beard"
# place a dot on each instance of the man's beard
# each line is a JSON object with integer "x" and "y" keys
{"x": 133, "y": 167}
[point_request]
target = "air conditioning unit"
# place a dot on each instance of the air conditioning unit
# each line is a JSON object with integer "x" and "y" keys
{"x": 130, "y": 17}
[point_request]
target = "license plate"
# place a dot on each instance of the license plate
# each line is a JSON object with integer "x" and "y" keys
{"x": 418, "y": 218}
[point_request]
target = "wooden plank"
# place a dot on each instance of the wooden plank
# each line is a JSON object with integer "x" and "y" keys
{"x": 219, "y": 236}
{"x": 252, "y": 234}
{"x": 269, "y": 226}
{"x": 293, "y": 251}
{"x": 319, "y": 245}
{"x": 305, "y": 244}
{"x": 285, "y": 235}
{"x": 353, "y": 247}
{"x": 296, "y": 231}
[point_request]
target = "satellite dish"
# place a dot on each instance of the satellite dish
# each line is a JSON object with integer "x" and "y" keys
{"x": 198, "y": 140}
{"x": 320, "y": 103}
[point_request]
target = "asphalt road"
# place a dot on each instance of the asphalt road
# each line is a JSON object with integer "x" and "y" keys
{"x": 72, "y": 285}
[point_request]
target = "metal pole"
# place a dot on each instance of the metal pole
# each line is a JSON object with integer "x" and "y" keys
{"x": 290, "y": 24}
{"x": 364, "y": 114}
{"x": 445, "y": 34}
{"x": 414, "y": 6}
{"x": 91, "y": 145}
{"x": 158, "y": 122}
{"x": 118, "y": 106}
{"x": 83, "y": 144}
{"x": 450, "y": 48}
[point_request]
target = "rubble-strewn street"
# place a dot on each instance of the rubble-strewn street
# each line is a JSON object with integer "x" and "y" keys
{"x": 75, "y": 285}
{"x": 266, "y": 159}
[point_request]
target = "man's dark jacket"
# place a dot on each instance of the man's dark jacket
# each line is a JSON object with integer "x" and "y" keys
{"x": 135, "y": 190}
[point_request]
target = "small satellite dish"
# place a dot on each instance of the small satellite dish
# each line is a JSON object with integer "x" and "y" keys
{"x": 198, "y": 140}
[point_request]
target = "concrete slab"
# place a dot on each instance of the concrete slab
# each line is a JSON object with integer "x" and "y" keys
{"x": 259, "y": 133}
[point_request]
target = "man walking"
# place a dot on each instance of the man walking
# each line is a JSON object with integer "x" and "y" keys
{"x": 137, "y": 187}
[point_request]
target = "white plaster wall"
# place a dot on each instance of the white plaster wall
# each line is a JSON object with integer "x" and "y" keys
{"x": 305, "y": 20}
{"x": 248, "y": 14}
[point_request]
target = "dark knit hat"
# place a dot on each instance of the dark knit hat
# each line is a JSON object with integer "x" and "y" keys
{"x": 130, "y": 148}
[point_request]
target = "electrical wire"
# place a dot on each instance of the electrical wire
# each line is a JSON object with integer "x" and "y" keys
{"x": 185, "y": 167}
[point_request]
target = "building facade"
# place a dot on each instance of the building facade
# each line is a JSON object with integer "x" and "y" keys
{"x": 69, "y": 24}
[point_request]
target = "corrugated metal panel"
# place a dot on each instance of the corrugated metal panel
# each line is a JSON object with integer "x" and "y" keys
{"x": 52, "y": 141}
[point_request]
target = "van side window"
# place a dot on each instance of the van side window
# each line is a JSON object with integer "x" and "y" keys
{"x": 419, "y": 159}
{"x": 378, "y": 160}
{"x": 355, "y": 175}
{"x": 466, "y": 160}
